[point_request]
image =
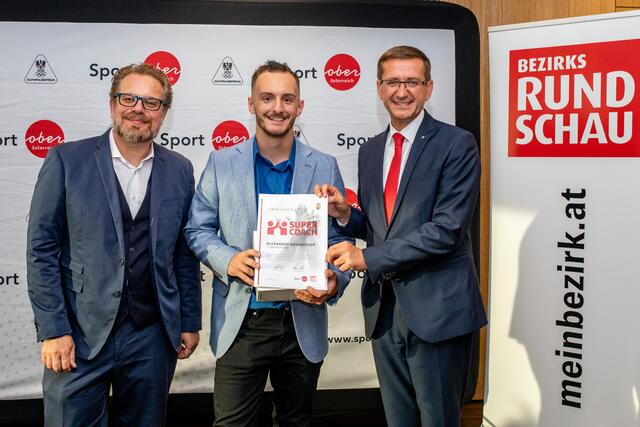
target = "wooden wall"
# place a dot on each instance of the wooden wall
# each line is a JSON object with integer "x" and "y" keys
{"x": 501, "y": 12}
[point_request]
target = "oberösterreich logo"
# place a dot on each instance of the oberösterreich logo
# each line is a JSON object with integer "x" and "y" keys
{"x": 342, "y": 71}
{"x": 228, "y": 133}
{"x": 41, "y": 136}
{"x": 167, "y": 63}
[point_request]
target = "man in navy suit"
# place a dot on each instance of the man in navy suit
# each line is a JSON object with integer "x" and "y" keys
{"x": 418, "y": 187}
{"x": 114, "y": 288}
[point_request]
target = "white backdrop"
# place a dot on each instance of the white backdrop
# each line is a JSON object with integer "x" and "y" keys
{"x": 60, "y": 73}
{"x": 564, "y": 294}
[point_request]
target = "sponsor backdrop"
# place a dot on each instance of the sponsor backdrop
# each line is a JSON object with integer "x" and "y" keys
{"x": 564, "y": 297}
{"x": 55, "y": 78}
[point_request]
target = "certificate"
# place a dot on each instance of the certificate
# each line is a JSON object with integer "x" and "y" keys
{"x": 292, "y": 240}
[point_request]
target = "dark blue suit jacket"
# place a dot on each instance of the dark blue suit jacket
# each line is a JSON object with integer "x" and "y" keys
{"x": 75, "y": 245}
{"x": 425, "y": 252}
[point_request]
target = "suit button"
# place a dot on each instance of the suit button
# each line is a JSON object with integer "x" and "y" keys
{"x": 121, "y": 262}
{"x": 132, "y": 249}
{"x": 117, "y": 294}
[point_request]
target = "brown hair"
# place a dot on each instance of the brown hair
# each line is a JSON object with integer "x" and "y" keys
{"x": 272, "y": 66}
{"x": 405, "y": 52}
{"x": 145, "y": 70}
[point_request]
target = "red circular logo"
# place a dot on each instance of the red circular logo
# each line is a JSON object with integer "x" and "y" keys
{"x": 41, "y": 136}
{"x": 228, "y": 133}
{"x": 304, "y": 278}
{"x": 352, "y": 198}
{"x": 342, "y": 71}
{"x": 167, "y": 63}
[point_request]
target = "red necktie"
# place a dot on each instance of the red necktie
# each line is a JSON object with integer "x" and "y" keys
{"x": 391, "y": 186}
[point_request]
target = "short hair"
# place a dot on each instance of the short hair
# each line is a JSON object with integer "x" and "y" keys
{"x": 145, "y": 70}
{"x": 405, "y": 52}
{"x": 272, "y": 66}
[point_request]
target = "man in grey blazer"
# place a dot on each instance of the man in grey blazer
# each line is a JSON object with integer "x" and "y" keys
{"x": 252, "y": 339}
{"x": 418, "y": 186}
{"x": 114, "y": 287}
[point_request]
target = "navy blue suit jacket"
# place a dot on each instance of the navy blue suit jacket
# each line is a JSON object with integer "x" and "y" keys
{"x": 75, "y": 245}
{"x": 425, "y": 252}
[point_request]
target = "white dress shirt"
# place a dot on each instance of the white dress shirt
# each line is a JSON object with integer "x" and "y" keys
{"x": 409, "y": 132}
{"x": 133, "y": 179}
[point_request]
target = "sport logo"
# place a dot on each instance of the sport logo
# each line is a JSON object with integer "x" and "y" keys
{"x": 228, "y": 133}
{"x": 41, "y": 136}
{"x": 279, "y": 226}
{"x": 167, "y": 63}
{"x": 40, "y": 72}
{"x": 575, "y": 101}
{"x": 227, "y": 73}
{"x": 342, "y": 71}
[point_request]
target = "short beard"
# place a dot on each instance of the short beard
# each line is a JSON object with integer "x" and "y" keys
{"x": 261, "y": 125}
{"x": 133, "y": 134}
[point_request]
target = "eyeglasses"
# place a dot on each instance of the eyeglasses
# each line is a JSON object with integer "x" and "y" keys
{"x": 130, "y": 100}
{"x": 410, "y": 84}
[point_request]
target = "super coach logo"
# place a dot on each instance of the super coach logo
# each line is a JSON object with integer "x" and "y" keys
{"x": 575, "y": 101}
{"x": 342, "y": 72}
{"x": 167, "y": 63}
{"x": 292, "y": 228}
{"x": 41, "y": 136}
{"x": 228, "y": 133}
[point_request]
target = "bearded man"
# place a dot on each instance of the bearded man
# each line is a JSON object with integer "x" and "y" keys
{"x": 114, "y": 287}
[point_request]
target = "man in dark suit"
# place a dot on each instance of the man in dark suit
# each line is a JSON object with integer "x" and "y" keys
{"x": 114, "y": 288}
{"x": 418, "y": 187}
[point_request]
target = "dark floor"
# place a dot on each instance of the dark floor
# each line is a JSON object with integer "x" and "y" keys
{"x": 334, "y": 408}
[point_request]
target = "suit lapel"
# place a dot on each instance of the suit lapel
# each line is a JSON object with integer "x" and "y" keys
{"x": 419, "y": 143}
{"x": 109, "y": 181}
{"x": 158, "y": 184}
{"x": 376, "y": 213}
{"x": 242, "y": 172}
{"x": 305, "y": 165}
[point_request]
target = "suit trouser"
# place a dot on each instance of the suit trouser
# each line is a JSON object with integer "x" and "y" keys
{"x": 421, "y": 383}
{"x": 138, "y": 364}
{"x": 266, "y": 345}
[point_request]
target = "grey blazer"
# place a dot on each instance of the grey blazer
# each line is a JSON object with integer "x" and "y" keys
{"x": 222, "y": 219}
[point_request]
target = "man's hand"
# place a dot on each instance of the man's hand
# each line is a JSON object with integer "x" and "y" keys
{"x": 338, "y": 206}
{"x": 59, "y": 354}
{"x": 314, "y": 296}
{"x": 243, "y": 265}
{"x": 189, "y": 342}
{"x": 346, "y": 256}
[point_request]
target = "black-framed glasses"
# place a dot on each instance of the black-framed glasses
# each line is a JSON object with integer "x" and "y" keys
{"x": 130, "y": 100}
{"x": 410, "y": 83}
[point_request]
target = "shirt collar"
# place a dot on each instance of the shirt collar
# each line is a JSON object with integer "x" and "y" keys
{"x": 281, "y": 166}
{"x": 116, "y": 154}
{"x": 409, "y": 131}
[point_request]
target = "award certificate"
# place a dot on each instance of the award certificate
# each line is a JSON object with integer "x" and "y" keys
{"x": 292, "y": 240}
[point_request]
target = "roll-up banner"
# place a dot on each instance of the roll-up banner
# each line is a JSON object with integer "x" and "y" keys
{"x": 565, "y": 197}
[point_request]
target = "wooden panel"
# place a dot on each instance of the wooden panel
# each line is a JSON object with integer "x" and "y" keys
{"x": 501, "y": 12}
{"x": 628, "y": 3}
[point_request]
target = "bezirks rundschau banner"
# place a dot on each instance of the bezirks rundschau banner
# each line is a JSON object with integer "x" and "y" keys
{"x": 565, "y": 138}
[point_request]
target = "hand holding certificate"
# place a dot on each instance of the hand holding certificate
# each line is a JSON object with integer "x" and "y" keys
{"x": 292, "y": 242}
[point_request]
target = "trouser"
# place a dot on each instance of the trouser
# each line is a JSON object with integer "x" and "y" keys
{"x": 137, "y": 364}
{"x": 266, "y": 345}
{"x": 422, "y": 383}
